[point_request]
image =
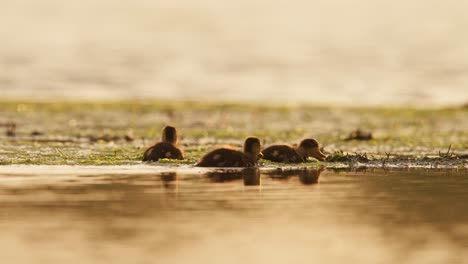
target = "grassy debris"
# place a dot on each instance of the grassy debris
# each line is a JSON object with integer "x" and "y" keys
{"x": 114, "y": 133}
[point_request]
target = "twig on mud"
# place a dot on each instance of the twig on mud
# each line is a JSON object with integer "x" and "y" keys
{"x": 386, "y": 159}
{"x": 448, "y": 154}
{"x": 361, "y": 157}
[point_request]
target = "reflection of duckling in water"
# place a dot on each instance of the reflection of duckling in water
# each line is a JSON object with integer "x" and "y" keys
{"x": 251, "y": 175}
{"x": 305, "y": 175}
{"x": 282, "y": 174}
{"x": 224, "y": 175}
{"x": 169, "y": 180}
{"x": 166, "y": 149}
{"x": 310, "y": 176}
{"x": 290, "y": 154}
{"x": 228, "y": 157}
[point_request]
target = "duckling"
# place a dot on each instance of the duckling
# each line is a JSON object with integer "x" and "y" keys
{"x": 167, "y": 148}
{"x": 228, "y": 157}
{"x": 291, "y": 154}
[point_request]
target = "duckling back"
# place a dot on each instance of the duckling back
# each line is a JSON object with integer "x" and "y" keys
{"x": 282, "y": 153}
{"x": 163, "y": 150}
{"x": 225, "y": 157}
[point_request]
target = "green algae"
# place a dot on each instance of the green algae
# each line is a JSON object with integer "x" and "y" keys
{"x": 116, "y": 133}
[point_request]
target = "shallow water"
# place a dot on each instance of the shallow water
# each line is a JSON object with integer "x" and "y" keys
{"x": 154, "y": 214}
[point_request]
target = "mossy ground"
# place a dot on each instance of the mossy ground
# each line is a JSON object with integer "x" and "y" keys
{"x": 114, "y": 133}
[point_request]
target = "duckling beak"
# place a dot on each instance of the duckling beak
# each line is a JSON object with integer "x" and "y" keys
{"x": 322, "y": 157}
{"x": 318, "y": 155}
{"x": 260, "y": 155}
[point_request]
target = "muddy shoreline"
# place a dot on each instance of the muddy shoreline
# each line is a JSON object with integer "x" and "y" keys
{"x": 74, "y": 133}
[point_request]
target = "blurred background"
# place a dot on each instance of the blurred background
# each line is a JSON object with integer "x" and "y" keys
{"x": 365, "y": 52}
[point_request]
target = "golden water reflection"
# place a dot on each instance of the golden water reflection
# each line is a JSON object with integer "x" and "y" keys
{"x": 228, "y": 216}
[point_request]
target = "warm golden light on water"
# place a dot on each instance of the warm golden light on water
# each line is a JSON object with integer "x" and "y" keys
{"x": 327, "y": 52}
{"x": 374, "y": 216}
{"x": 179, "y": 62}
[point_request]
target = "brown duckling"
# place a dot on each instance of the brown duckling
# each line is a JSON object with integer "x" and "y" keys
{"x": 228, "y": 157}
{"x": 166, "y": 149}
{"x": 291, "y": 154}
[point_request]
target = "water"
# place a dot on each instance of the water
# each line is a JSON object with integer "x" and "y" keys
{"x": 153, "y": 214}
{"x": 361, "y": 52}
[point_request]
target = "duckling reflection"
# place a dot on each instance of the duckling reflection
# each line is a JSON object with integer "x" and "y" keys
{"x": 310, "y": 176}
{"x": 282, "y": 174}
{"x": 306, "y": 175}
{"x": 250, "y": 176}
{"x": 169, "y": 180}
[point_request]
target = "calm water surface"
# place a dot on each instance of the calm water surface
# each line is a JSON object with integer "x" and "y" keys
{"x": 361, "y": 52}
{"x": 202, "y": 216}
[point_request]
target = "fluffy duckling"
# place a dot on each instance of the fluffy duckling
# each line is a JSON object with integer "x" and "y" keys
{"x": 290, "y": 154}
{"x": 228, "y": 157}
{"x": 167, "y": 148}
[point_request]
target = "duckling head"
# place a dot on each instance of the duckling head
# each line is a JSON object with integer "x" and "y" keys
{"x": 169, "y": 135}
{"x": 253, "y": 148}
{"x": 311, "y": 148}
